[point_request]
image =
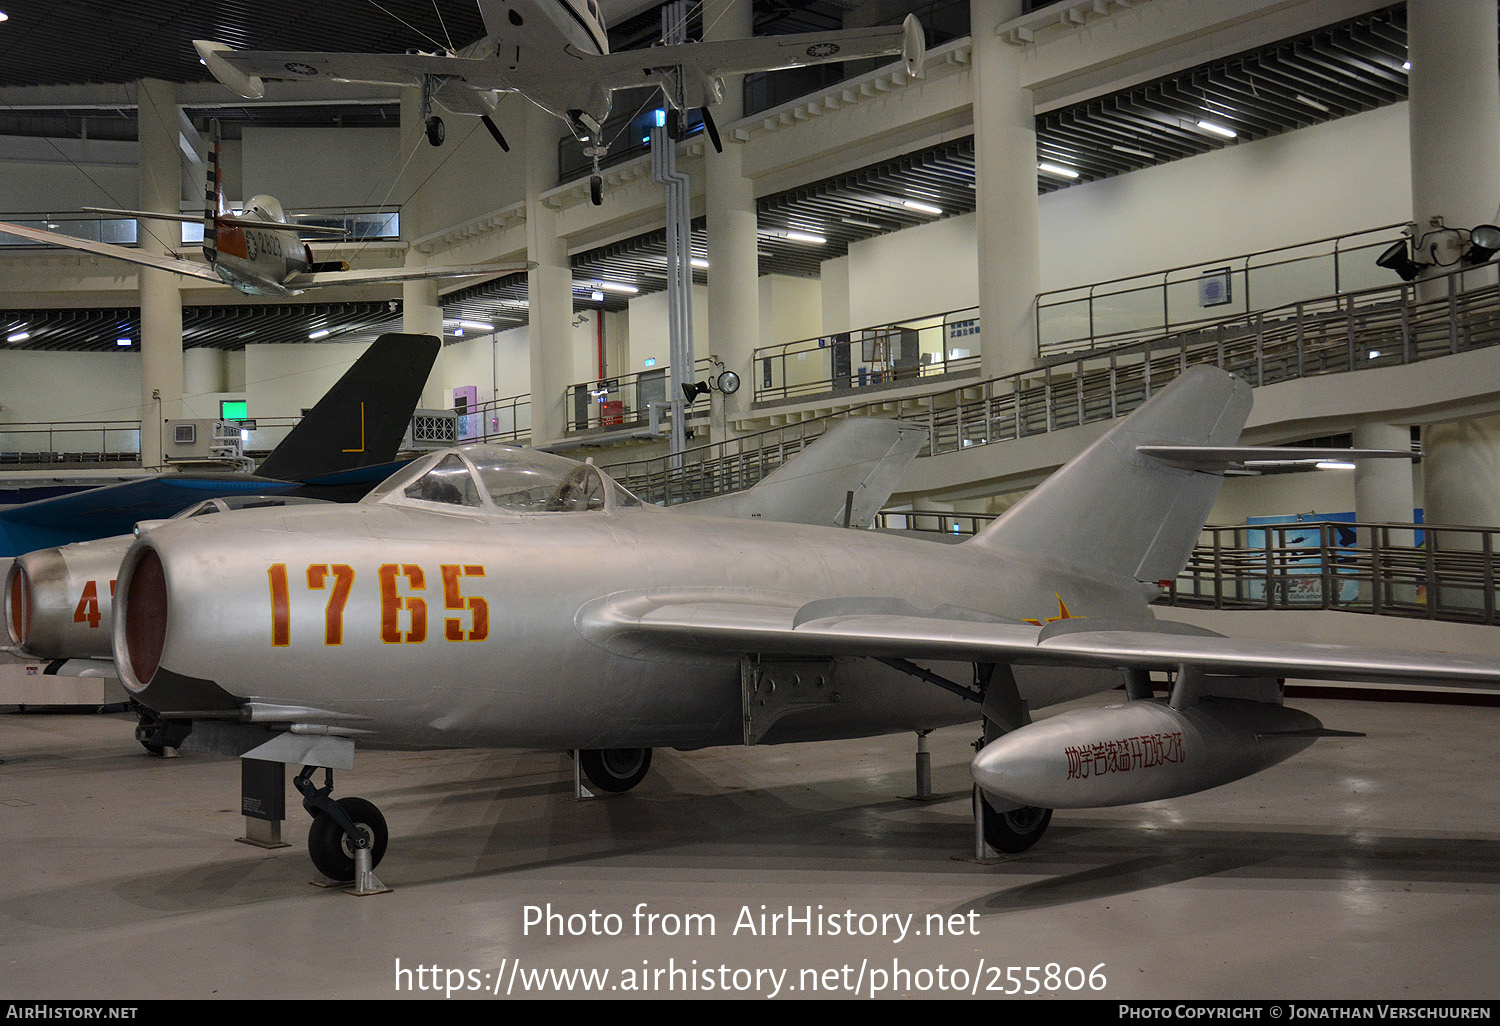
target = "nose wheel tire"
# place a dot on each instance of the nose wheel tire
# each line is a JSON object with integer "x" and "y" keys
{"x": 615, "y": 769}
{"x": 1013, "y": 831}
{"x": 596, "y": 190}
{"x": 332, "y": 850}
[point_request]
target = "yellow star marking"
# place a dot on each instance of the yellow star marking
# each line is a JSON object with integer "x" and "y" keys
{"x": 1062, "y": 613}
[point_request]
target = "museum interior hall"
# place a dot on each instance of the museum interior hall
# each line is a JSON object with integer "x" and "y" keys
{"x": 999, "y": 228}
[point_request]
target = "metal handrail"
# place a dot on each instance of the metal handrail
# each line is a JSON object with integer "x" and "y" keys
{"x": 505, "y": 420}
{"x": 853, "y": 361}
{"x": 1146, "y": 304}
{"x": 70, "y": 442}
{"x": 1424, "y": 571}
{"x": 621, "y": 400}
{"x": 1370, "y": 328}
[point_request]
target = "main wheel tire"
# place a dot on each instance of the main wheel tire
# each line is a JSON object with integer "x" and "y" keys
{"x": 1013, "y": 831}
{"x": 615, "y": 769}
{"x": 596, "y": 190}
{"x": 674, "y": 123}
{"x": 332, "y": 850}
{"x": 435, "y": 130}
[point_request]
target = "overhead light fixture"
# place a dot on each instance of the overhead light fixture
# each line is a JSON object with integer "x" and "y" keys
{"x": 699, "y": 263}
{"x": 926, "y": 208}
{"x": 806, "y": 237}
{"x": 321, "y": 333}
{"x": 1313, "y": 103}
{"x": 607, "y": 286}
{"x": 1227, "y": 133}
{"x": 1397, "y": 257}
{"x": 476, "y": 325}
{"x": 1406, "y": 66}
{"x": 1057, "y": 169}
{"x": 4, "y": 16}
{"x": 20, "y": 336}
{"x": 857, "y": 223}
{"x": 123, "y": 342}
{"x": 1334, "y": 465}
{"x": 596, "y": 296}
{"x": 1133, "y": 151}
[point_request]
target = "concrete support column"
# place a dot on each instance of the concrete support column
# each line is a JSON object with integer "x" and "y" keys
{"x": 1454, "y": 121}
{"x": 549, "y": 286}
{"x": 1383, "y": 493}
{"x": 1460, "y": 488}
{"x": 734, "y": 270}
{"x": 422, "y": 314}
{"x": 161, "y": 297}
{"x": 1461, "y": 472}
{"x": 1383, "y": 490}
{"x": 1009, "y": 246}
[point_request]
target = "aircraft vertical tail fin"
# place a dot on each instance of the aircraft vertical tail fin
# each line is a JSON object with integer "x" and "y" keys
{"x": 362, "y": 419}
{"x": 849, "y": 472}
{"x": 1115, "y": 510}
{"x": 213, "y": 200}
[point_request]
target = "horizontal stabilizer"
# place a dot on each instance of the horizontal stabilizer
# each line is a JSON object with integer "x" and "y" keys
{"x": 1223, "y": 457}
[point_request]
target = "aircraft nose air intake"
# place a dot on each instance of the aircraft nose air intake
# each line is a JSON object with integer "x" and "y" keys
{"x": 145, "y": 619}
{"x": 18, "y": 605}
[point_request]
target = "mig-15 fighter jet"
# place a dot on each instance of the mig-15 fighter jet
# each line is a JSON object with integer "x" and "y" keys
{"x": 501, "y": 597}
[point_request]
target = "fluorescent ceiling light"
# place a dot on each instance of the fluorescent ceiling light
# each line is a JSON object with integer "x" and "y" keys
{"x": 4, "y": 16}
{"x": 1312, "y": 103}
{"x": 20, "y": 336}
{"x": 1406, "y": 66}
{"x": 926, "y": 208}
{"x": 596, "y": 296}
{"x": 1057, "y": 169}
{"x": 699, "y": 262}
{"x": 476, "y": 325}
{"x": 122, "y": 341}
{"x": 1132, "y": 151}
{"x": 807, "y": 237}
{"x": 1334, "y": 465}
{"x": 1209, "y": 126}
{"x": 857, "y": 223}
{"x": 321, "y": 333}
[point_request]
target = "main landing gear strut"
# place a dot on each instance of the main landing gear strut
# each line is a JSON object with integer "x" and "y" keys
{"x": 348, "y": 837}
{"x": 1010, "y": 830}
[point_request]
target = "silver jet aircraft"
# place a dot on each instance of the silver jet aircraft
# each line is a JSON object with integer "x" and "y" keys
{"x": 62, "y": 597}
{"x": 257, "y": 251}
{"x": 499, "y": 597}
{"x": 556, "y": 54}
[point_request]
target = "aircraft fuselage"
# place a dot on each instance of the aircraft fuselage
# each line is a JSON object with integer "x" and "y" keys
{"x": 260, "y": 261}
{"x": 433, "y": 630}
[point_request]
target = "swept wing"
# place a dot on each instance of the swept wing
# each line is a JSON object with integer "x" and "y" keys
{"x": 890, "y": 628}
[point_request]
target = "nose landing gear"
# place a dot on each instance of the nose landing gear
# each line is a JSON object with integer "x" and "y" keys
{"x": 347, "y": 838}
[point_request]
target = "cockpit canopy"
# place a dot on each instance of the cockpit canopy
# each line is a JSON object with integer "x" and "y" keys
{"x": 489, "y": 478}
{"x": 266, "y": 208}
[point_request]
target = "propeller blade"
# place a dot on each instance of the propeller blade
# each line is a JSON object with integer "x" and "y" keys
{"x": 712, "y": 130}
{"x": 495, "y": 131}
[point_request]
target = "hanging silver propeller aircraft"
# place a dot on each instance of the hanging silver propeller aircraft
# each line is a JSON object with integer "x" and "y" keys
{"x": 258, "y": 251}
{"x": 505, "y": 598}
{"x": 556, "y": 54}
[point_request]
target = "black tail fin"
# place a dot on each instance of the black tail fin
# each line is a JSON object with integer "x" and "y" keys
{"x": 364, "y": 416}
